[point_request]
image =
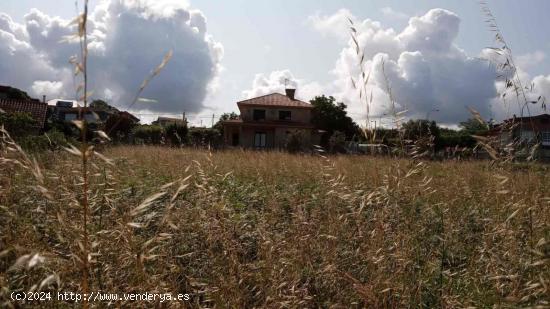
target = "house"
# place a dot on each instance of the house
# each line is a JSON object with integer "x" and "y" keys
{"x": 125, "y": 114}
{"x": 68, "y": 110}
{"x": 98, "y": 111}
{"x": 525, "y": 130}
{"x": 35, "y": 108}
{"x": 166, "y": 121}
{"x": 267, "y": 121}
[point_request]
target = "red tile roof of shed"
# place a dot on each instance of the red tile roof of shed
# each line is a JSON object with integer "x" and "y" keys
{"x": 37, "y": 109}
{"x": 275, "y": 99}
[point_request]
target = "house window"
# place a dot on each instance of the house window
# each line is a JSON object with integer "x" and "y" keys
{"x": 285, "y": 115}
{"x": 259, "y": 140}
{"x": 259, "y": 114}
{"x": 545, "y": 138}
{"x": 70, "y": 117}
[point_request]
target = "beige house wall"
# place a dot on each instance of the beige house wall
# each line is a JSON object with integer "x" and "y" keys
{"x": 276, "y": 137}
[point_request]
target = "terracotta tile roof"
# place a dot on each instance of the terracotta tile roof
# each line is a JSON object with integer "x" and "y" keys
{"x": 275, "y": 99}
{"x": 36, "y": 108}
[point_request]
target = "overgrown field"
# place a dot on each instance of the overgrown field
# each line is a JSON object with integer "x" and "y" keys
{"x": 240, "y": 229}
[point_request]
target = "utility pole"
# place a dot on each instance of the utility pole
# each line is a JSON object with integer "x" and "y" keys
{"x": 213, "y": 116}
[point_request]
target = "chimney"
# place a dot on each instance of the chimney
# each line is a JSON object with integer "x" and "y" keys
{"x": 44, "y": 98}
{"x": 290, "y": 93}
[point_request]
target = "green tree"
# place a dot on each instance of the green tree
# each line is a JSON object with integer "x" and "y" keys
{"x": 176, "y": 134}
{"x": 472, "y": 126}
{"x": 148, "y": 134}
{"x": 119, "y": 126}
{"x": 202, "y": 137}
{"x": 224, "y": 117}
{"x": 331, "y": 116}
{"x": 415, "y": 129}
{"x": 452, "y": 138}
{"x": 15, "y": 94}
{"x": 102, "y": 105}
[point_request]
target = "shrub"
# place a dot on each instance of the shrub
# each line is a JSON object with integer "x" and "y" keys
{"x": 202, "y": 137}
{"x": 295, "y": 141}
{"x": 18, "y": 124}
{"x": 52, "y": 140}
{"x": 337, "y": 142}
{"x": 119, "y": 126}
{"x": 176, "y": 134}
{"x": 148, "y": 134}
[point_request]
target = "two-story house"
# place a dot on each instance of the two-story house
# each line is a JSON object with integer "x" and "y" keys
{"x": 267, "y": 121}
{"x": 166, "y": 121}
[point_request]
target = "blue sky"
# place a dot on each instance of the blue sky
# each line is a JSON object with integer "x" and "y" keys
{"x": 260, "y": 37}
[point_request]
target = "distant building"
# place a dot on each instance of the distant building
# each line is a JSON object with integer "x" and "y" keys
{"x": 525, "y": 130}
{"x": 68, "y": 110}
{"x": 166, "y": 121}
{"x": 125, "y": 114}
{"x": 267, "y": 121}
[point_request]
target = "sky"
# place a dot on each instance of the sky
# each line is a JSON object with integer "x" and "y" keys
{"x": 226, "y": 51}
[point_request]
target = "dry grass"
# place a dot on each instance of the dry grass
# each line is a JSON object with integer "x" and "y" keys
{"x": 252, "y": 229}
{"x": 245, "y": 229}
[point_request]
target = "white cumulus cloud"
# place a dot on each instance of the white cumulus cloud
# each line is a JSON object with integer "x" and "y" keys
{"x": 127, "y": 39}
{"x": 277, "y": 81}
{"x": 426, "y": 70}
{"x": 529, "y": 60}
{"x": 48, "y": 88}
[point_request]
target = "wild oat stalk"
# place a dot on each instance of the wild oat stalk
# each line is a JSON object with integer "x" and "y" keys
{"x": 508, "y": 64}
{"x": 512, "y": 82}
{"x": 363, "y": 82}
{"x": 396, "y": 115}
{"x": 85, "y": 150}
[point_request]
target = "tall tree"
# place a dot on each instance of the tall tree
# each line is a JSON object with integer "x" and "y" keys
{"x": 331, "y": 116}
{"x": 473, "y": 126}
{"x": 102, "y": 105}
{"x": 13, "y": 93}
{"x": 224, "y": 117}
{"x": 415, "y": 129}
